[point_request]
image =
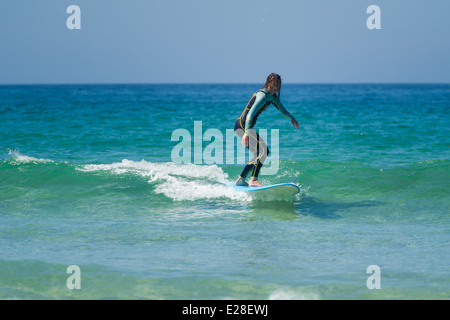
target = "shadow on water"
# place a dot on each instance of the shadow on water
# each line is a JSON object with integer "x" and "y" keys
{"x": 279, "y": 210}
{"x": 310, "y": 206}
{"x": 306, "y": 206}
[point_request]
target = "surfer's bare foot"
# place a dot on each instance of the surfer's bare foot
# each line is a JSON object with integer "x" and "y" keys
{"x": 241, "y": 182}
{"x": 255, "y": 183}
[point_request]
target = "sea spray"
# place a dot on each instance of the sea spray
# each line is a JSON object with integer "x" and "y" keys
{"x": 177, "y": 181}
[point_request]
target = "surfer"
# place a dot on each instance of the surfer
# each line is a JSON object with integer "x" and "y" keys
{"x": 243, "y": 127}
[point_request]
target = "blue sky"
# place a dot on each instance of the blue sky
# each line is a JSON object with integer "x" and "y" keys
{"x": 233, "y": 41}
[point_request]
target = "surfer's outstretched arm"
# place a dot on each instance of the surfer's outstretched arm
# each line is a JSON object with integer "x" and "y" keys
{"x": 285, "y": 113}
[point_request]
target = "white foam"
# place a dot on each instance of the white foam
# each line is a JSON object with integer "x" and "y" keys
{"x": 177, "y": 181}
{"x": 19, "y": 158}
{"x": 293, "y": 294}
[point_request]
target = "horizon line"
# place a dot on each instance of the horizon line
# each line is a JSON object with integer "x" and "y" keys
{"x": 215, "y": 83}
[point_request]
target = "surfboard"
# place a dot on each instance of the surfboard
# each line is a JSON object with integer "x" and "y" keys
{"x": 274, "y": 191}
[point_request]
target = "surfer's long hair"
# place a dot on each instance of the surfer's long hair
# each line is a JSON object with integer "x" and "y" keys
{"x": 275, "y": 79}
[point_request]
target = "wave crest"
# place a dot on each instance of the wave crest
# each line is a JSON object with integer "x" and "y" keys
{"x": 177, "y": 181}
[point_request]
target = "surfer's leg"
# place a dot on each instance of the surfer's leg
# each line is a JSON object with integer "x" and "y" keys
{"x": 249, "y": 166}
{"x": 253, "y": 146}
{"x": 261, "y": 153}
{"x": 264, "y": 152}
{"x": 241, "y": 182}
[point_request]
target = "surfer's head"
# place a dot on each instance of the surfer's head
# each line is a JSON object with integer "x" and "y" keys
{"x": 273, "y": 84}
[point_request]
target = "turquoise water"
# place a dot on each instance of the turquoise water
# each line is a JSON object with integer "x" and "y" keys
{"x": 87, "y": 179}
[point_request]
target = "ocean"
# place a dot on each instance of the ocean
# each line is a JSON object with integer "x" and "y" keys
{"x": 88, "y": 179}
